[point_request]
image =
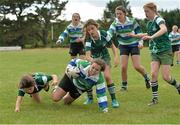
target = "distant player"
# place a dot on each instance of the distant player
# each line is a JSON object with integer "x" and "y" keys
{"x": 81, "y": 76}
{"x": 75, "y": 33}
{"x": 96, "y": 46}
{"x": 32, "y": 84}
{"x": 174, "y": 36}
{"x": 123, "y": 27}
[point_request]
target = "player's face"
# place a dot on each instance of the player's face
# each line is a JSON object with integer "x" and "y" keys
{"x": 95, "y": 69}
{"x": 175, "y": 28}
{"x": 120, "y": 14}
{"x": 75, "y": 18}
{"x": 92, "y": 30}
{"x": 29, "y": 89}
{"x": 149, "y": 13}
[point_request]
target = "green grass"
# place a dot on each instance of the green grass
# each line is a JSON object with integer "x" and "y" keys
{"x": 133, "y": 103}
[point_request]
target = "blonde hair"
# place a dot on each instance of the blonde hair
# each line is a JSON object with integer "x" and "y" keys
{"x": 87, "y": 23}
{"x": 151, "y": 6}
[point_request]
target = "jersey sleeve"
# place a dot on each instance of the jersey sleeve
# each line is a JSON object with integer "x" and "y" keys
{"x": 101, "y": 92}
{"x": 170, "y": 37}
{"x": 64, "y": 34}
{"x": 136, "y": 27}
{"x": 21, "y": 92}
{"x": 108, "y": 38}
{"x": 42, "y": 78}
{"x": 112, "y": 30}
{"x": 88, "y": 45}
{"x": 160, "y": 21}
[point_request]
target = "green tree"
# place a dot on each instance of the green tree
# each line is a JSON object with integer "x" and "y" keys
{"x": 32, "y": 19}
{"x": 14, "y": 30}
{"x": 49, "y": 10}
{"x": 171, "y": 17}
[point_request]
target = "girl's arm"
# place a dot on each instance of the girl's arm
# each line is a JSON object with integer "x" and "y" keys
{"x": 115, "y": 53}
{"x": 54, "y": 80}
{"x": 163, "y": 29}
{"x": 88, "y": 56}
{"x": 140, "y": 35}
{"x": 18, "y": 103}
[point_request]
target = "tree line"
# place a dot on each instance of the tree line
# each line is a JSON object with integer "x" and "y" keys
{"x": 34, "y": 19}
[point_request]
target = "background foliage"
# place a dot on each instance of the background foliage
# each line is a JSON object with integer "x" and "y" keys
{"x": 34, "y": 19}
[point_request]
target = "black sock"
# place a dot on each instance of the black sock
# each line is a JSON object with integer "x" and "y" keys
{"x": 154, "y": 89}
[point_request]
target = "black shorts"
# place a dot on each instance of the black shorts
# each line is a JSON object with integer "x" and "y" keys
{"x": 67, "y": 85}
{"x": 76, "y": 48}
{"x": 175, "y": 48}
{"x": 126, "y": 50}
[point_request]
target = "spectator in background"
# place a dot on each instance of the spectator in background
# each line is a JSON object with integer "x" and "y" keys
{"x": 174, "y": 36}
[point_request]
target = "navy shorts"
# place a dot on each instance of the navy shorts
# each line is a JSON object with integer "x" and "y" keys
{"x": 129, "y": 50}
{"x": 76, "y": 48}
{"x": 175, "y": 48}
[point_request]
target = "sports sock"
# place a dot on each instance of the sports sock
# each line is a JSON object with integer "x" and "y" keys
{"x": 90, "y": 94}
{"x": 173, "y": 82}
{"x": 154, "y": 89}
{"x": 111, "y": 89}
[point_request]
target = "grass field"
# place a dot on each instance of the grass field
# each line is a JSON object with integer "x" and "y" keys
{"x": 133, "y": 104}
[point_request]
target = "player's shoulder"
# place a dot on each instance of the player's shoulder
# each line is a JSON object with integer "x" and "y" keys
{"x": 159, "y": 20}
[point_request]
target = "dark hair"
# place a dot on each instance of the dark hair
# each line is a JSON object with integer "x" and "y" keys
{"x": 122, "y": 9}
{"x": 100, "y": 62}
{"x": 26, "y": 82}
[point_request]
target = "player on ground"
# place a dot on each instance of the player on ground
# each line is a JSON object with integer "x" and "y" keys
{"x": 80, "y": 76}
{"x": 32, "y": 84}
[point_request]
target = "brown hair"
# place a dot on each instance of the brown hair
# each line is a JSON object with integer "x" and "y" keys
{"x": 122, "y": 9}
{"x": 151, "y": 6}
{"x": 26, "y": 82}
{"x": 89, "y": 22}
{"x": 100, "y": 62}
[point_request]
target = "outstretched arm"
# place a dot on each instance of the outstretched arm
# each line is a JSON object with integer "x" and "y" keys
{"x": 163, "y": 29}
{"x": 54, "y": 80}
{"x": 18, "y": 103}
{"x": 88, "y": 56}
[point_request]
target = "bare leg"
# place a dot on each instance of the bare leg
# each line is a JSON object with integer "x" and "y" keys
{"x": 68, "y": 99}
{"x": 137, "y": 65}
{"x": 58, "y": 94}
